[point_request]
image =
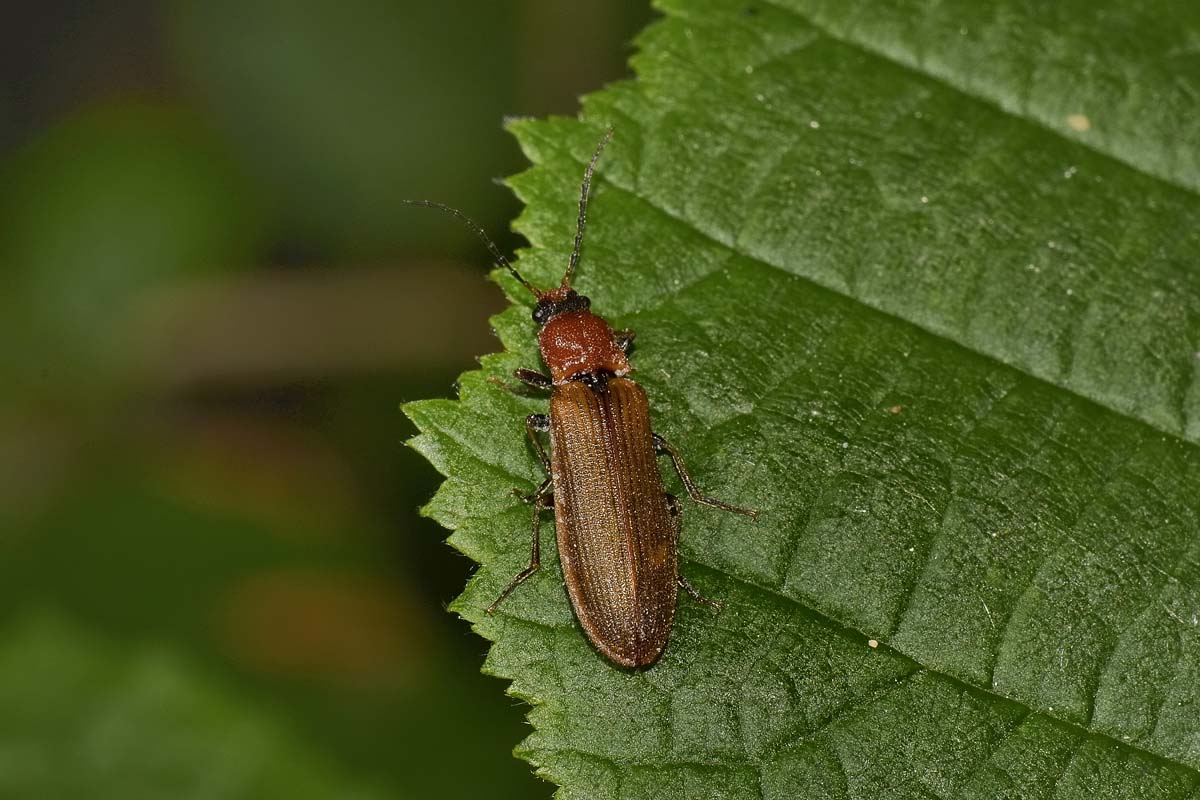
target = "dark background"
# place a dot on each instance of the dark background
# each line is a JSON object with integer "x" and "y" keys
{"x": 213, "y": 306}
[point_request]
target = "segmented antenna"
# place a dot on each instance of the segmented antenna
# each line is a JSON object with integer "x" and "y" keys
{"x": 583, "y": 199}
{"x": 478, "y": 229}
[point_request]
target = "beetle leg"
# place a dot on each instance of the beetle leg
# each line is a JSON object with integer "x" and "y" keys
{"x": 535, "y": 424}
{"x": 531, "y": 377}
{"x": 661, "y": 445}
{"x": 715, "y": 605}
{"x": 624, "y": 338}
{"x": 535, "y": 552}
{"x": 529, "y": 498}
{"x": 676, "y": 509}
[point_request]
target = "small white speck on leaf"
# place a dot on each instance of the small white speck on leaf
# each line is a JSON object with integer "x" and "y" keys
{"x": 1070, "y": 292}
{"x": 1079, "y": 122}
{"x": 845, "y": 445}
{"x": 749, "y": 69}
{"x": 872, "y": 643}
{"x": 895, "y": 409}
{"x": 1033, "y": 268}
{"x": 1070, "y": 171}
{"x": 812, "y": 123}
{"x": 924, "y": 199}
{"x": 760, "y": 97}
{"x": 963, "y": 31}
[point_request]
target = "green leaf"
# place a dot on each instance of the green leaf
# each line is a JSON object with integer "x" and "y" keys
{"x": 888, "y": 291}
{"x": 80, "y": 719}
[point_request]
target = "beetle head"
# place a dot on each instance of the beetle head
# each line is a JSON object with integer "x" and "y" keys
{"x": 562, "y": 300}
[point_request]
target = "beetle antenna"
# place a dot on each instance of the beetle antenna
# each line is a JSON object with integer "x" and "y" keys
{"x": 478, "y": 229}
{"x": 583, "y": 199}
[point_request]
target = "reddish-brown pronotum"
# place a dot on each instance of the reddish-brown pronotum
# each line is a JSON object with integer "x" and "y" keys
{"x": 617, "y": 527}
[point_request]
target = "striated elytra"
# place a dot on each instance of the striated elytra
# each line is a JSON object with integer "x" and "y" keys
{"x": 617, "y": 527}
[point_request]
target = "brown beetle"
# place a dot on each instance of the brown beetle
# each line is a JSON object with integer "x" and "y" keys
{"x": 617, "y": 527}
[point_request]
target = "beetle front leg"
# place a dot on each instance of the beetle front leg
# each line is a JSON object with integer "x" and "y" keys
{"x": 662, "y": 446}
{"x": 529, "y": 377}
{"x": 540, "y": 503}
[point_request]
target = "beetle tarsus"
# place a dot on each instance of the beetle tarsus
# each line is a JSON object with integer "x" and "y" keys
{"x": 715, "y": 605}
{"x": 663, "y": 446}
{"x": 624, "y": 339}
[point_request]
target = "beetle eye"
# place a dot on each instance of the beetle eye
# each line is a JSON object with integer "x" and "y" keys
{"x": 541, "y": 312}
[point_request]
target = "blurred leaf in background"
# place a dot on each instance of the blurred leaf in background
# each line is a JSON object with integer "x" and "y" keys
{"x": 82, "y": 718}
{"x": 210, "y": 560}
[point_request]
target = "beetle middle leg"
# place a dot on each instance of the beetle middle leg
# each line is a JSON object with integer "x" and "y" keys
{"x": 676, "y": 509}
{"x": 535, "y": 424}
{"x": 662, "y": 446}
{"x": 541, "y": 501}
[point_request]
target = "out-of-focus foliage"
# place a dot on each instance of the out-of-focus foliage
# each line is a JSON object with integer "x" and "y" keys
{"x": 212, "y": 580}
{"x": 82, "y": 719}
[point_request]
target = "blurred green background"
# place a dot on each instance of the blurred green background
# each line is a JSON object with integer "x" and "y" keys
{"x": 213, "y": 578}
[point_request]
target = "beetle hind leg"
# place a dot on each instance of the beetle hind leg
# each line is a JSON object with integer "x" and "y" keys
{"x": 663, "y": 446}
{"x": 676, "y": 509}
{"x": 715, "y": 605}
